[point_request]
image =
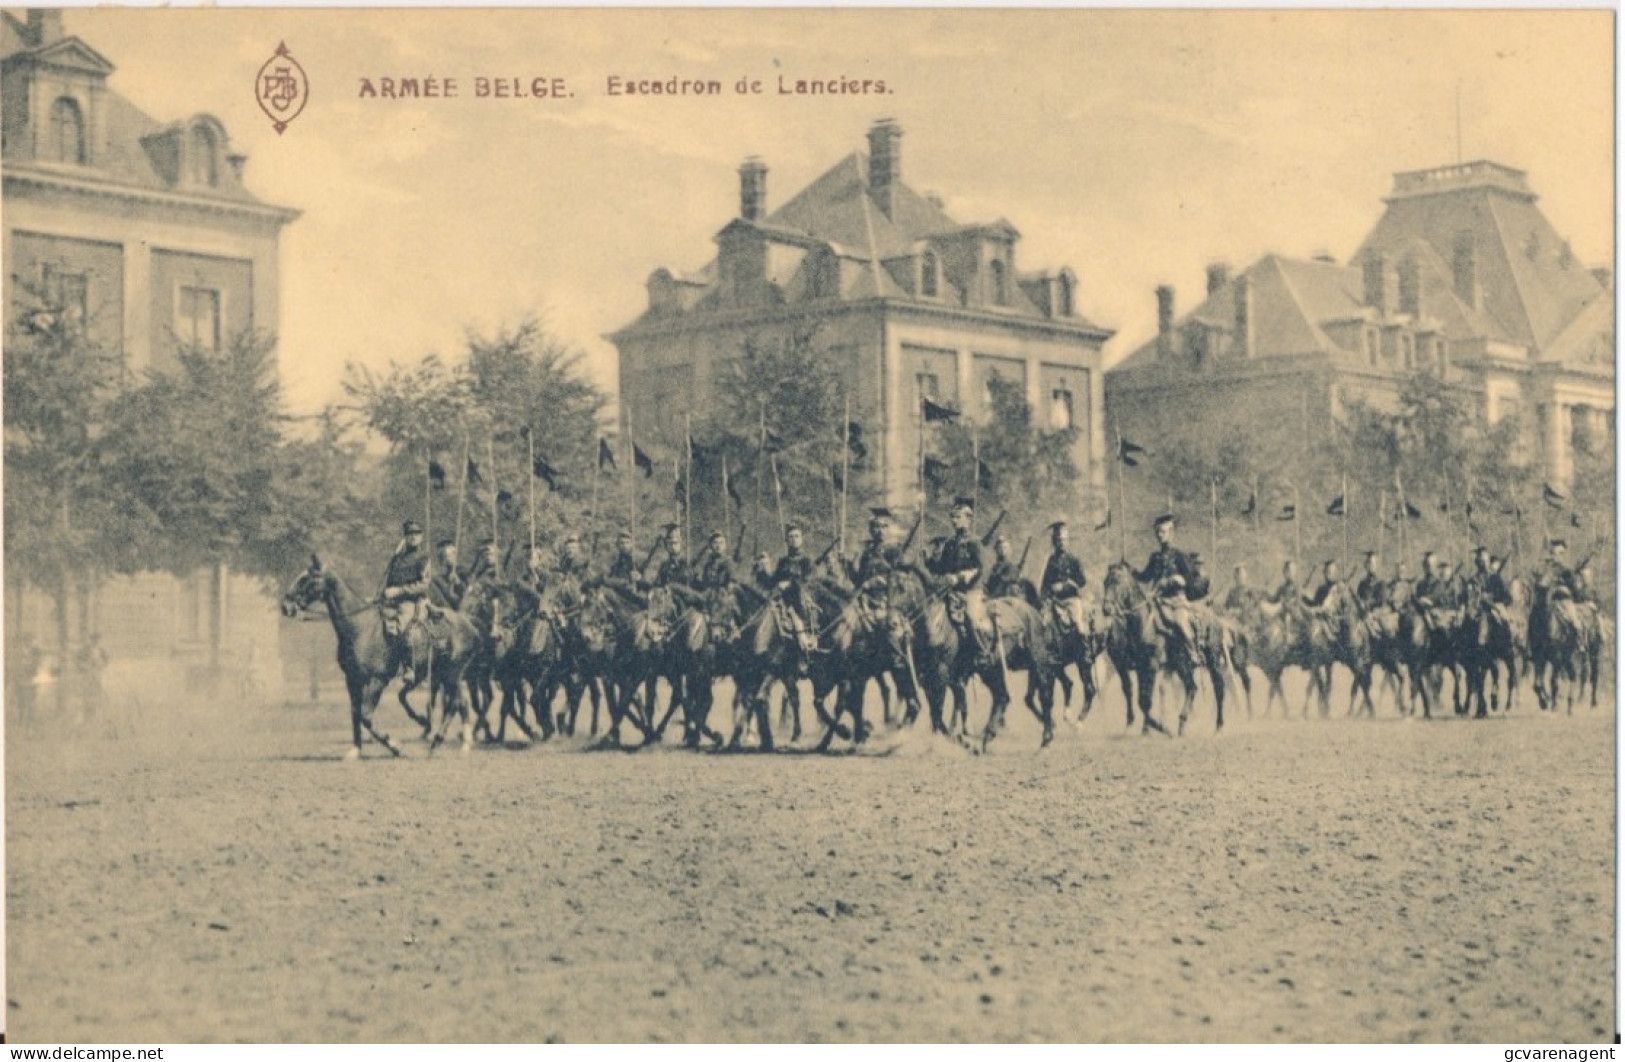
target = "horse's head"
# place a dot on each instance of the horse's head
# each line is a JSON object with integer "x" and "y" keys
{"x": 309, "y": 588}
{"x": 1119, "y": 590}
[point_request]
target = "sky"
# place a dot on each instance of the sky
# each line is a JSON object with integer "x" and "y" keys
{"x": 1134, "y": 146}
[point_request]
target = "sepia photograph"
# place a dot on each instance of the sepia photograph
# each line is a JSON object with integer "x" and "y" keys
{"x": 679, "y": 525}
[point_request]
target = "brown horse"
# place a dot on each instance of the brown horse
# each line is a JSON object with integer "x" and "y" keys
{"x": 369, "y": 661}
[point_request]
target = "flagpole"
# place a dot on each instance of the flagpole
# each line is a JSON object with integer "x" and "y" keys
{"x": 756, "y": 513}
{"x": 1404, "y": 516}
{"x": 428, "y": 498}
{"x": 975, "y": 466}
{"x": 530, "y": 485}
{"x": 462, "y": 492}
{"x": 920, "y": 412}
{"x": 1449, "y": 521}
{"x": 1382, "y": 522}
{"x": 1255, "y": 504}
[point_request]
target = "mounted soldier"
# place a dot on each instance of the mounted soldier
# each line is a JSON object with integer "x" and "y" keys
{"x": 623, "y": 576}
{"x": 485, "y": 572}
{"x": 446, "y": 586}
{"x": 1324, "y": 599}
{"x": 790, "y": 578}
{"x": 1174, "y": 581}
{"x": 406, "y": 585}
{"x": 716, "y": 571}
{"x": 1289, "y": 593}
{"x": 1063, "y": 581}
{"x": 880, "y": 557}
{"x": 1243, "y": 596}
{"x": 1371, "y": 592}
{"x": 1401, "y": 589}
{"x": 574, "y": 565}
{"x": 1004, "y": 578}
{"x": 958, "y": 563}
{"x": 1555, "y": 571}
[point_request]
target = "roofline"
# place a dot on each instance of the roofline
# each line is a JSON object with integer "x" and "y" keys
{"x": 109, "y": 190}
{"x": 692, "y": 322}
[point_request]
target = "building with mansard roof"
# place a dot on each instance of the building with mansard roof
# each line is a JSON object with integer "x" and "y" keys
{"x": 1462, "y": 276}
{"x": 143, "y": 231}
{"x": 906, "y": 300}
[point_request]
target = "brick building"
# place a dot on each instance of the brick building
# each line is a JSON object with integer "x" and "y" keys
{"x": 905, "y": 299}
{"x": 144, "y": 232}
{"x": 1462, "y": 276}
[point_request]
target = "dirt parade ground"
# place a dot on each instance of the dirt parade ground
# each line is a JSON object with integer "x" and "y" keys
{"x": 221, "y": 875}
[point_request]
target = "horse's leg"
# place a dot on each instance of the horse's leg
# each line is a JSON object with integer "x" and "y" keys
{"x": 763, "y": 712}
{"x": 369, "y": 703}
{"x": 993, "y": 679}
{"x": 1216, "y": 672}
{"x": 1147, "y": 678}
{"x": 1187, "y": 679}
{"x": 357, "y": 689}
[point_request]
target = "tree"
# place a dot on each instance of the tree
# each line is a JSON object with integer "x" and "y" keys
{"x": 485, "y": 425}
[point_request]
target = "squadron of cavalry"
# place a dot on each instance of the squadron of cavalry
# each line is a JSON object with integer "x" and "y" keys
{"x": 922, "y": 624}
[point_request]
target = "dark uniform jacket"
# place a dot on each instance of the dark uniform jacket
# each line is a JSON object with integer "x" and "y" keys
{"x": 1169, "y": 561}
{"x": 674, "y": 571}
{"x": 1287, "y": 591}
{"x": 1371, "y": 593}
{"x": 1241, "y": 599}
{"x": 578, "y": 571}
{"x": 958, "y": 554}
{"x": 623, "y": 568}
{"x": 1497, "y": 590}
{"x": 1556, "y": 574}
{"x": 1003, "y": 579}
{"x": 715, "y": 574}
{"x": 1066, "y": 569}
{"x": 408, "y": 572}
{"x": 876, "y": 560}
{"x": 1322, "y": 592}
{"x": 446, "y": 589}
{"x": 794, "y": 568}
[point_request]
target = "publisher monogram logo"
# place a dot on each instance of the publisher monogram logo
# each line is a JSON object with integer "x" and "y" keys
{"x": 282, "y": 88}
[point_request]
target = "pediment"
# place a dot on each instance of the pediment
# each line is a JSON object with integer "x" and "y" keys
{"x": 71, "y": 53}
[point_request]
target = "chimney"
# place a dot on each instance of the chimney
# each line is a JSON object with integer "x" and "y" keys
{"x": 885, "y": 161}
{"x": 1410, "y": 286}
{"x": 1464, "y": 271}
{"x": 1165, "y": 321}
{"x": 1218, "y": 275}
{"x": 1381, "y": 284}
{"x": 44, "y": 25}
{"x": 752, "y": 189}
{"x": 1244, "y": 316}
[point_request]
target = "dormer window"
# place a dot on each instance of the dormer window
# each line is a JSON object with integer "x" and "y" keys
{"x": 205, "y": 157}
{"x": 1001, "y": 283}
{"x": 67, "y": 131}
{"x": 928, "y": 275}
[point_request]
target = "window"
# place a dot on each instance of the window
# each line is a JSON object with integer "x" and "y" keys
{"x": 69, "y": 294}
{"x": 928, "y": 275}
{"x": 1001, "y": 290}
{"x": 1060, "y": 409}
{"x": 204, "y": 167}
{"x": 197, "y": 318}
{"x": 67, "y": 131}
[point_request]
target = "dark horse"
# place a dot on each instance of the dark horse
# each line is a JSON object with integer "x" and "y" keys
{"x": 369, "y": 662}
{"x": 1140, "y": 649}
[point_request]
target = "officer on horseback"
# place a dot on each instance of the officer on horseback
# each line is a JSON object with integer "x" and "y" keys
{"x": 1243, "y": 596}
{"x": 958, "y": 562}
{"x": 623, "y": 576}
{"x": 880, "y": 557}
{"x": 486, "y": 567}
{"x": 790, "y": 581}
{"x": 406, "y": 584}
{"x": 574, "y": 565}
{"x": 1063, "y": 580}
{"x": 1331, "y": 585}
{"x": 1174, "y": 581}
{"x": 1288, "y": 593}
{"x": 1556, "y": 572}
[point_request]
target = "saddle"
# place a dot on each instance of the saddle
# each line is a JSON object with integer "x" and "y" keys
{"x": 793, "y": 627}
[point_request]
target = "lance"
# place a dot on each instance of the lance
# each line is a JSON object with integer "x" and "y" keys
{"x": 1297, "y": 525}
{"x": 1122, "y": 507}
{"x": 846, "y": 462}
{"x": 688, "y": 480}
{"x": 530, "y": 480}
{"x": 595, "y": 472}
{"x": 975, "y": 467}
{"x": 1346, "y": 508}
{"x": 756, "y": 504}
{"x": 491, "y": 470}
{"x": 631, "y": 466}
{"x": 1404, "y": 516}
{"x": 1213, "y": 510}
{"x": 428, "y": 497}
{"x": 1382, "y": 522}
{"x": 462, "y": 492}
{"x": 778, "y": 495}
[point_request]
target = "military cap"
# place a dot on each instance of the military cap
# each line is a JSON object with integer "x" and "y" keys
{"x": 880, "y": 512}
{"x": 666, "y": 529}
{"x": 443, "y": 543}
{"x": 1479, "y": 550}
{"x": 571, "y": 538}
{"x": 624, "y": 533}
{"x": 793, "y": 526}
{"x": 1370, "y": 553}
{"x": 1558, "y": 543}
{"x": 965, "y": 501}
{"x": 1165, "y": 518}
{"x": 716, "y": 535}
{"x": 411, "y": 527}
{"x": 1057, "y": 526}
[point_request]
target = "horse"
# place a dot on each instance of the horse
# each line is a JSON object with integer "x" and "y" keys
{"x": 699, "y": 651}
{"x": 1140, "y": 648}
{"x": 868, "y": 644}
{"x": 591, "y": 638}
{"x": 369, "y": 660}
{"x": 1556, "y": 641}
{"x": 1076, "y": 645}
